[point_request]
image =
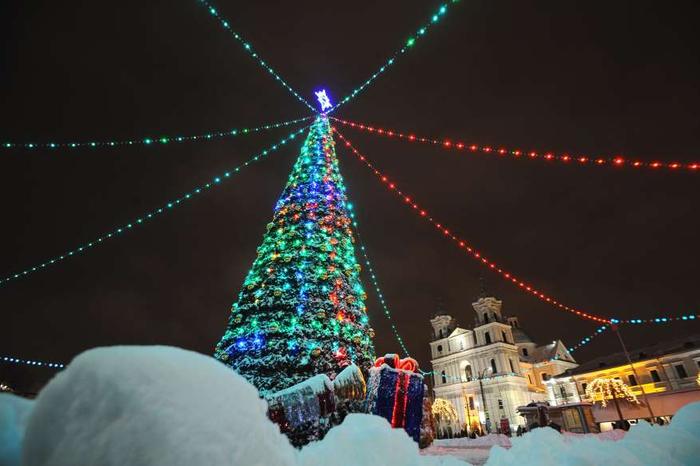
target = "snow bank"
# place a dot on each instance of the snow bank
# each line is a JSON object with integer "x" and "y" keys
{"x": 14, "y": 413}
{"x": 162, "y": 406}
{"x": 364, "y": 439}
{"x": 674, "y": 445}
{"x": 151, "y": 406}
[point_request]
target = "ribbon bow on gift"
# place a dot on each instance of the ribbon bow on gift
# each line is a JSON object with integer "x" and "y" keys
{"x": 392, "y": 360}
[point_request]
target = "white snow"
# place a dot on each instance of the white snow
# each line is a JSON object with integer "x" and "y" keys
{"x": 677, "y": 444}
{"x": 14, "y": 413}
{"x": 161, "y": 406}
{"x": 154, "y": 405}
{"x": 367, "y": 440}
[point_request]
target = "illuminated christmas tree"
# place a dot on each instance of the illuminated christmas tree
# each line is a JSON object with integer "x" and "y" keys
{"x": 301, "y": 310}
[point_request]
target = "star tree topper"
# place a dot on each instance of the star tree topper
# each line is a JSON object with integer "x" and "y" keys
{"x": 323, "y": 100}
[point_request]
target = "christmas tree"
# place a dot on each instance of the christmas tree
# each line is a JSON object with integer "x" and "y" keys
{"x": 301, "y": 310}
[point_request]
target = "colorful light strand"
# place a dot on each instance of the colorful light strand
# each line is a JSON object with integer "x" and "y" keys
{"x": 167, "y": 207}
{"x": 31, "y": 362}
{"x": 391, "y": 186}
{"x": 249, "y": 49}
{"x": 149, "y": 141}
{"x": 463, "y": 244}
{"x": 434, "y": 19}
{"x": 586, "y": 340}
{"x": 579, "y": 160}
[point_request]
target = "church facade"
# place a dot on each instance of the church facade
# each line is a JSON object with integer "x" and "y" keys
{"x": 488, "y": 371}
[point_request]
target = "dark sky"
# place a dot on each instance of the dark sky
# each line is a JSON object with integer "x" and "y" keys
{"x": 594, "y": 77}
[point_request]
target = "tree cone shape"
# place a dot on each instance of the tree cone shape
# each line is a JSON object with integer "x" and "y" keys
{"x": 301, "y": 310}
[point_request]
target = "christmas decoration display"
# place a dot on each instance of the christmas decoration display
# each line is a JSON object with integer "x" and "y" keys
{"x": 150, "y": 141}
{"x": 427, "y": 424}
{"x": 445, "y": 415}
{"x": 303, "y": 410}
{"x": 301, "y": 311}
{"x": 158, "y": 212}
{"x": 603, "y": 389}
{"x": 617, "y": 161}
{"x": 307, "y": 410}
{"x": 395, "y": 391}
{"x": 474, "y": 253}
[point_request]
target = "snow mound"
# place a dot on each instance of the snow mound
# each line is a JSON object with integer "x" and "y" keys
{"x": 364, "y": 439}
{"x": 675, "y": 445}
{"x": 151, "y": 406}
{"x": 14, "y": 413}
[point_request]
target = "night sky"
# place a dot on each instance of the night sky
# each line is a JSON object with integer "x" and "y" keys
{"x": 594, "y": 77}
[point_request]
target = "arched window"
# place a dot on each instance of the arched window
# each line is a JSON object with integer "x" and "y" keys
{"x": 486, "y": 317}
{"x": 487, "y": 336}
{"x": 443, "y": 376}
{"x": 493, "y": 366}
{"x": 468, "y": 372}
{"x": 524, "y": 351}
{"x": 505, "y": 337}
{"x": 440, "y": 333}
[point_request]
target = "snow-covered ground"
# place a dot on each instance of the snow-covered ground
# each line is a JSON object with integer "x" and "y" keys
{"x": 153, "y": 406}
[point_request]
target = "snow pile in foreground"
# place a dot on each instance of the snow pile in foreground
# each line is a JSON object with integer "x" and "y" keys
{"x": 162, "y": 406}
{"x": 157, "y": 405}
{"x": 365, "y": 439}
{"x": 675, "y": 445}
{"x": 14, "y": 413}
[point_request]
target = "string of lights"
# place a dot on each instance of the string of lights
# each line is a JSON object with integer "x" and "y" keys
{"x": 253, "y": 54}
{"x": 586, "y": 340}
{"x": 150, "y": 141}
{"x": 463, "y": 244}
{"x": 486, "y": 262}
{"x": 410, "y": 42}
{"x": 581, "y": 160}
{"x": 31, "y": 362}
{"x": 165, "y": 208}
{"x": 375, "y": 283}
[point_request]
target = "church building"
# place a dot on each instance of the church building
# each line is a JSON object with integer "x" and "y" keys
{"x": 488, "y": 371}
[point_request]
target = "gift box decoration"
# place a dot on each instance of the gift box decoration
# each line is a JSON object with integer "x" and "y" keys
{"x": 395, "y": 391}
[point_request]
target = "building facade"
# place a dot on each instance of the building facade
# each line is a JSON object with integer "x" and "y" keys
{"x": 490, "y": 370}
{"x": 663, "y": 376}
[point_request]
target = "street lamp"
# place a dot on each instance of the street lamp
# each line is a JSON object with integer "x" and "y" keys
{"x": 482, "y": 374}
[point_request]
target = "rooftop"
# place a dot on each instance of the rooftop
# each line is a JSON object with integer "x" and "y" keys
{"x": 679, "y": 345}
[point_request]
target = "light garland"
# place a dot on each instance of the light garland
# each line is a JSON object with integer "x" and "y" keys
{"x": 589, "y": 338}
{"x": 463, "y": 244}
{"x": 604, "y": 389}
{"x": 617, "y": 161}
{"x": 391, "y": 186}
{"x": 444, "y": 411}
{"x": 410, "y": 42}
{"x": 149, "y": 141}
{"x": 167, "y": 207}
{"x": 31, "y": 362}
{"x": 253, "y": 54}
